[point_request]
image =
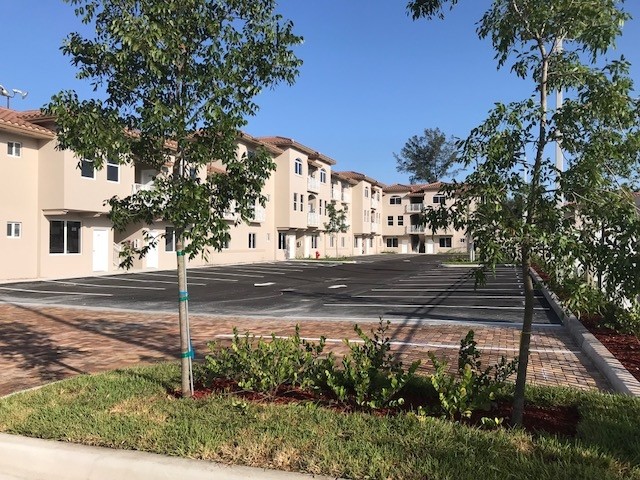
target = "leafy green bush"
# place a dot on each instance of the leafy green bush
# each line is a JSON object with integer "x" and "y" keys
{"x": 265, "y": 366}
{"x": 472, "y": 388}
{"x": 371, "y": 376}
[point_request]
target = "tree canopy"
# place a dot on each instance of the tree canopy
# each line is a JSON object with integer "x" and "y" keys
{"x": 427, "y": 158}
{"x": 516, "y": 203}
{"x": 178, "y": 79}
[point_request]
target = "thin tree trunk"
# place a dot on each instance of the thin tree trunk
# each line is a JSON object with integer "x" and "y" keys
{"x": 183, "y": 318}
{"x": 525, "y": 339}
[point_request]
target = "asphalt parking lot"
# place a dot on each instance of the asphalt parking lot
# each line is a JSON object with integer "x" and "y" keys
{"x": 395, "y": 287}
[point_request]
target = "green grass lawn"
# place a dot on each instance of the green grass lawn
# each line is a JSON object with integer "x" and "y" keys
{"x": 131, "y": 409}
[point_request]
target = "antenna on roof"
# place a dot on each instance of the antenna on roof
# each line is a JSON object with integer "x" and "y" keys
{"x": 5, "y": 93}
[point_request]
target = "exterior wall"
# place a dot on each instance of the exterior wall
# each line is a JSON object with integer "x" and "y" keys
{"x": 288, "y": 183}
{"x": 19, "y": 203}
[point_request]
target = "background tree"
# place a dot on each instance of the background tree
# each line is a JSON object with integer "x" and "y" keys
{"x": 179, "y": 78}
{"x": 554, "y": 44}
{"x": 427, "y": 158}
{"x": 337, "y": 222}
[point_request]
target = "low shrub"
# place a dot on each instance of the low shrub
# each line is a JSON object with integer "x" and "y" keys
{"x": 472, "y": 388}
{"x": 265, "y": 366}
{"x": 371, "y": 376}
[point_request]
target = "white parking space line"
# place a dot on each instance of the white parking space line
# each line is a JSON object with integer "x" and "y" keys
{"x": 248, "y": 275}
{"x": 76, "y": 284}
{"x": 338, "y": 286}
{"x": 56, "y": 292}
{"x": 518, "y": 297}
{"x": 190, "y": 277}
{"x": 265, "y": 284}
{"x": 447, "y": 346}
{"x": 120, "y": 279}
{"x": 261, "y": 271}
{"x": 419, "y": 305}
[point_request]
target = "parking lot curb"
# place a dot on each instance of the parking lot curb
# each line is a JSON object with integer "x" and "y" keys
{"x": 618, "y": 377}
{"x": 31, "y": 458}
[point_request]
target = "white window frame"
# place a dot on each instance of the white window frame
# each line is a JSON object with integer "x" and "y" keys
{"x": 114, "y": 166}
{"x": 282, "y": 241}
{"x": 93, "y": 169}
{"x": 400, "y": 220}
{"x": 323, "y": 175}
{"x": 169, "y": 239}
{"x": 366, "y": 192}
{"x": 314, "y": 241}
{"x": 392, "y": 242}
{"x": 252, "y": 240}
{"x": 297, "y": 167}
{"x": 295, "y": 202}
{"x": 395, "y": 200}
{"x": 12, "y": 151}
{"x": 444, "y": 240}
{"x": 331, "y": 242}
{"x": 65, "y": 236}
{"x": 11, "y": 229}
{"x": 390, "y": 220}
{"x": 342, "y": 242}
{"x": 439, "y": 199}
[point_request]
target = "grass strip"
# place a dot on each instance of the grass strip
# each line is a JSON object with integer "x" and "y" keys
{"x": 131, "y": 409}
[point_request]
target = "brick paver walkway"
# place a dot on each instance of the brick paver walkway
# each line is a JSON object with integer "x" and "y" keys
{"x": 41, "y": 344}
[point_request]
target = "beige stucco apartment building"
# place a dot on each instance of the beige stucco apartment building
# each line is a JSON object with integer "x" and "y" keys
{"x": 52, "y": 205}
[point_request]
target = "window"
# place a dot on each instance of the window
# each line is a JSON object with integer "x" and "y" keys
{"x": 342, "y": 242}
{"x": 113, "y": 171}
{"x": 301, "y": 203}
{"x": 356, "y": 242}
{"x": 366, "y": 192}
{"x": 439, "y": 199}
{"x": 64, "y": 236}
{"x": 295, "y": 202}
{"x": 193, "y": 173}
{"x": 252, "y": 240}
{"x": 323, "y": 175}
{"x": 400, "y": 220}
{"x": 14, "y": 149}
{"x": 86, "y": 169}
{"x": 371, "y": 243}
{"x": 395, "y": 200}
{"x": 314, "y": 241}
{"x": 390, "y": 220}
{"x": 225, "y": 244}
{"x": 392, "y": 242}
{"x": 282, "y": 241}
{"x": 331, "y": 242}
{"x": 445, "y": 242}
{"x": 320, "y": 207}
{"x": 170, "y": 239}
{"x": 297, "y": 167}
{"x": 14, "y": 229}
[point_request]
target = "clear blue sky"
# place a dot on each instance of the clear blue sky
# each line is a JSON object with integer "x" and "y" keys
{"x": 371, "y": 77}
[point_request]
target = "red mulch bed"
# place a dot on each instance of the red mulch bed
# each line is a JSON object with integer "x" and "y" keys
{"x": 556, "y": 420}
{"x": 625, "y": 347}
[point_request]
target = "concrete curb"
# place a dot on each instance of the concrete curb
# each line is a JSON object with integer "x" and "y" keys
{"x": 31, "y": 458}
{"x": 619, "y": 377}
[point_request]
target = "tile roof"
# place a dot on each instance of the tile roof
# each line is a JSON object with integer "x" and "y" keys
{"x": 397, "y": 188}
{"x": 361, "y": 177}
{"x": 284, "y": 143}
{"x": 256, "y": 142}
{"x": 12, "y": 120}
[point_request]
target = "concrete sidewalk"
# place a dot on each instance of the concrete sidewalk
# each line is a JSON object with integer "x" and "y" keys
{"x": 30, "y": 459}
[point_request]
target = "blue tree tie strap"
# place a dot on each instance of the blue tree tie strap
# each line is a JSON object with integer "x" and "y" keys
{"x": 180, "y": 253}
{"x": 183, "y": 296}
{"x": 188, "y": 354}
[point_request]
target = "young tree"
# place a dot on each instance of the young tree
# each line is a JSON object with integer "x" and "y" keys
{"x": 337, "y": 222}
{"x": 179, "y": 78}
{"x": 557, "y": 44}
{"x": 427, "y": 158}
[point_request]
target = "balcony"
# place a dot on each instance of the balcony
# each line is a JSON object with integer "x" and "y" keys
{"x": 336, "y": 194}
{"x": 375, "y": 203}
{"x": 345, "y": 196}
{"x": 375, "y": 227}
{"x": 139, "y": 187}
{"x": 313, "y": 219}
{"x": 313, "y": 185}
{"x": 416, "y": 229}
{"x": 414, "y": 208}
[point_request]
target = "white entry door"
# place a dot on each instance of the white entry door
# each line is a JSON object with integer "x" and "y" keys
{"x": 152, "y": 254}
{"x": 100, "y": 250}
{"x": 429, "y": 246}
